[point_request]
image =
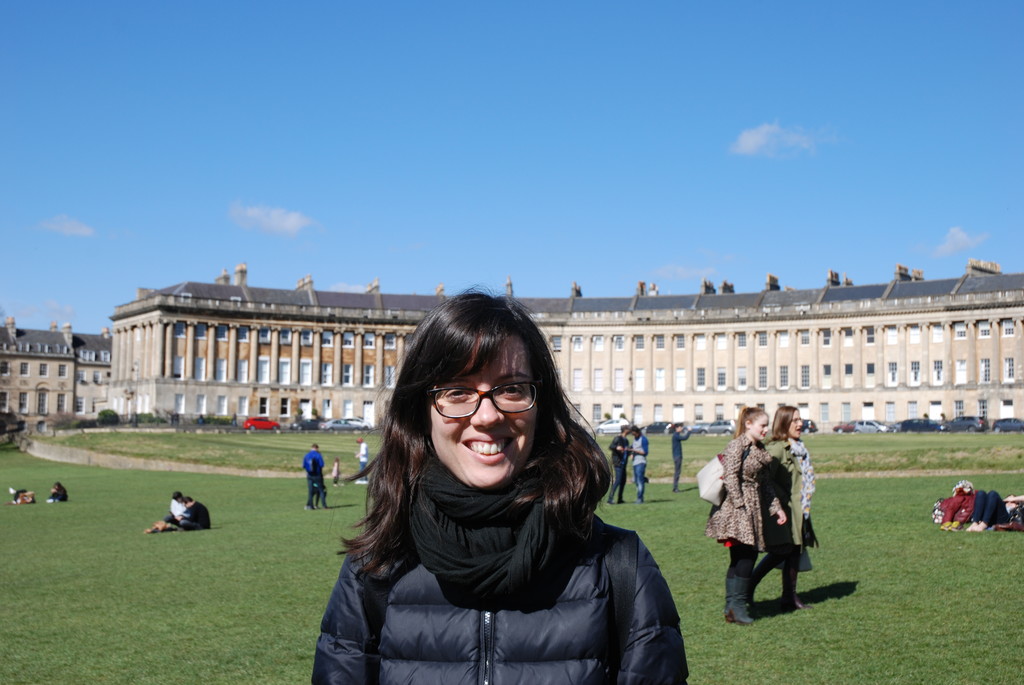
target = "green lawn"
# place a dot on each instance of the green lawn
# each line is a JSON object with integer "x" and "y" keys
{"x": 88, "y": 598}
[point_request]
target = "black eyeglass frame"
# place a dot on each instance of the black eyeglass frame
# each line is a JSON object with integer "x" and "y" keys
{"x": 482, "y": 394}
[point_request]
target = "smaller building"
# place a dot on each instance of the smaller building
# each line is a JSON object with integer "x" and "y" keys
{"x": 53, "y": 374}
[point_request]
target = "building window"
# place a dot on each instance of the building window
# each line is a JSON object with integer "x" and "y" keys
{"x": 698, "y": 412}
{"x": 199, "y": 369}
{"x": 681, "y": 341}
{"x": 846, "y": 410}
{"x": 960, "y": 371}
{"x": 22, "y": 402}
{"x": 1007, "y": 328}
{"x": 638, "y": 342}
{"x": 741, "y": 378}
{"x": 869, "y": 335}
{"x": 97, "y": 377}
{"x": 805, "y": 376}
{"x": 958, "y": 408}
{"x": 983, "y": 408}
{"x": 937, "y": 371}
{"x": 823, "y": 412}
{"x": 44, "y": 370}
{"x": 5, "y": 369}
{"x": 869, "y": 368}
{"x": 389, "y": 376}
{"x": 348, "y": 339}
{"x": 784, "y": 376}
{"x": 220, "y": 370}
{"x": 720, "y": 378}
{"x": 263, "y": 405}
{"x": 369, "y": 341}
{"x": 23, "y": 369}
{"x": 598, "y": 380}
{"x": 891, "y": 337}
{"x": 42, "y": 399}
{"x": 285, "y": 407}
{"x": 595, "y": 413}
{"x": 79, "y": 405}
{"x": 243, "y": 334}
{"x": 80, "y": 376}
{"x": 848, "y": 369}
{"x": 890, "y": 412}
{"x": 179, "y": 329}
{"x": 985, "y": 371}
{"x": 659, "y": 342}
{"x": 984, "y": 329}
{"x": 619, "y": 342}
{"x": 327, "y": 338}
{"x": 700, "y": 342}
{"x": 762, "y": 377}
{"x": 263, "y": 371}
{"x": 1008, "y": 369}
{"x": 619, "y": 380}
{"x": 62, "y": 371}
{"x": 598, "y": 343}
{"x": 762, "y": 339}
{"x": 285, "y": 336}
{"x": 915, "y": 335}
{"x": 959, "y": 330}
{"x": 178, "y": 368}
{"x": 911, "y": 410}
{"x": 242, "y": 373}
{"x": 577, "y": 380}
{"x": 346, "y": 374}
{"x": 221, "y": 333}
{"x": 368, "y": 370}
{"x": 306, "y": 338}
{"x": 305, "y": 372}
{"x": 741, "y": 340}
{"x": 847, "y": 337}
{"x": 640, "y": 379}
{"x": 638, "y": 413}
{"x": 936, "y": 333}
{"x": 701, "y": 378}
{"x": 659, "y": 380}
{"x": 577, "y": 343}
{"x": 915, "y": 373}
{"x": 721, "y": 341}
{"x": 556, "y": 343}
{"x": 264, "y": 335}
{"x": 326, "y": 373}
{"x": 680, "y": 379}
{"x": 893, "y": 373}
{"x": 826, "y": 338}
{"x": 200, "y": 331}
{"x": 719, "y": 412}
{"x": 390, "y": 341}
{"x": 805, "y": 337}
{"x": 284, "y": 371}
{"x": 783, "y": 338}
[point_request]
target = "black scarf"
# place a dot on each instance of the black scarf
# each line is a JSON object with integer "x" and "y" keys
{"x": 474, "y": 538}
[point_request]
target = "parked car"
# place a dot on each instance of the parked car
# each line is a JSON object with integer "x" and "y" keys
{"x": 1008, "y": 426}
{"x": 349, "y": 425}
{"x": 968, "y": 424}
{"x": 305, "y": 425}
{"x": 658, "y": 428}
{"x": 843, "y": 428}
{"x": 700, "y": 428}
{"x": 920, "y": 426}
{"x": 726, "y": 427}
{"x": 809, "y": 427}
{"x": 261, "y": 423}
{"x": 611, "y": 426}
{"x": 869, "y": 426}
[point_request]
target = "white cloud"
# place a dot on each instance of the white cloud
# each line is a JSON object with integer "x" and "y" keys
{"x": 270, "y": 219}
{"x": 65, "y": 225}
{"x": 772, "y": 140}
{"x": 347, "y": 288}
{"x": 681, "y": 273}
{"x": 58, "y": 312}
{"x": 957, "y": 240}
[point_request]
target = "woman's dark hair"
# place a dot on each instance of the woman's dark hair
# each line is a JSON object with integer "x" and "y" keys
{"x": 460, "y": 337}
{"x": 780, "y": 424}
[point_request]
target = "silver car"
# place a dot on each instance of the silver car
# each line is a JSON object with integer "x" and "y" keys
{"x": 869, "y": 427}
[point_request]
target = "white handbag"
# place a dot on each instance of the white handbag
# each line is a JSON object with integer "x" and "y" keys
{"x": 709, "y": 481}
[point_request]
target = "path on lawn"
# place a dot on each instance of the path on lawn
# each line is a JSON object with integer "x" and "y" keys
{"x": 74, "y": 455}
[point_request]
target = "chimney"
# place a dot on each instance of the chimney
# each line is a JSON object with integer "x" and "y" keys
{"x": 707, "y": 287}
{"x": 771, "y": 282}
{"x": 223, "y": 279}
{"x": 53, "y": 326}
{"x": 439, "y": 290}
{"x": 832, "y": 278}
{"x": 846, "y": 279}
{"x": 305, "y": 283}
{"x": 66, "y": 330}
{"x": 902, "y": 273}
{"x": 105, "y": 332}
{"x": 653, "y": 290}
{"x": 576, "y": 291}
{"x": 508, "y": 286}
{"x": 641, "y": 288}
{"x": 976, "y": 267}
{"x": 12, "y": 330}
{"x": 727, "y": 287}
{"x": 917, "y": 275}
{"x": 372, "y": 289}
{"x": 241, "y": 274}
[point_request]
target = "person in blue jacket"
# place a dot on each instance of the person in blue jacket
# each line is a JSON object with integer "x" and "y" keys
{"x": 480, "y": 558}
{"x": 313, "y": 465}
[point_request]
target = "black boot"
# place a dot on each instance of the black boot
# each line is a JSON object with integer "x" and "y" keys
{"x": 735, "y": 601}
{"x": 790, "y": 600}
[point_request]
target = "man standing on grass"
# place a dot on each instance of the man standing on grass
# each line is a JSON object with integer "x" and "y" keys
{"x": 679, "y": 434}
{"x": 620, "y": 457}
{"x": 313, "y": 464}
{"x": 639, "y": 451}
{"x": 363, "y": 455}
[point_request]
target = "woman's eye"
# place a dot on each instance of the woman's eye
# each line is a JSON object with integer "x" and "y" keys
{"x": 456, "y": 395}
{"x": 512, "y": 391}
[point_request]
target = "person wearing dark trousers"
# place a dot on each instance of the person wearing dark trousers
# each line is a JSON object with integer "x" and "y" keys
{"x": 620, "y": 445}
{"x": 638, "y": 449}
{"x": 990, "y": 509}
{"x": 678, "y": 435}
{"x": 792, "y": 477}
{"x": 197, "y": 516}
{"x": 313, "y": 464}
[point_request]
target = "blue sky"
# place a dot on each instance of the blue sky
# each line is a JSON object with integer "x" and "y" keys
{"x": 147, "y": 143}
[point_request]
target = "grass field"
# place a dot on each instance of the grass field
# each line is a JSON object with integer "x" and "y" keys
{"x": 88, "y": 598}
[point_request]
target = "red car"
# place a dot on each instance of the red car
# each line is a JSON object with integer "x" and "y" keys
{"x": 260, "y": 423}
{"x": 843, "y": 428}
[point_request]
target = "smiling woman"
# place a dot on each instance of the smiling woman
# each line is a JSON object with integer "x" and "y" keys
{"x": 480, "y": 543}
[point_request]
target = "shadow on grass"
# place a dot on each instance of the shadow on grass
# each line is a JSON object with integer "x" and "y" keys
{"x": 817, "y": 595}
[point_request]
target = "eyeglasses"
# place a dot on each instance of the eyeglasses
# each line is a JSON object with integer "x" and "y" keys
{"x": 508, "y": 398}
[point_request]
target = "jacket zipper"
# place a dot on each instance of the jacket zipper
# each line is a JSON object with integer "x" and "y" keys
{"x": 488, "y": 646}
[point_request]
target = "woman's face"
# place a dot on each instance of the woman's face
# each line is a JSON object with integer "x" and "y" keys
{"x": 486, "y": 450}
{"x": 796, "y": 426}
{"x": 758, "y": 428}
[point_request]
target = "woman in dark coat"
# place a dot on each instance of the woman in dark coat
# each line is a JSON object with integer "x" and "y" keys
{"x": 738, "y": 522}
{"x": 480, "y": 557}
{"x": 792, "y": 477}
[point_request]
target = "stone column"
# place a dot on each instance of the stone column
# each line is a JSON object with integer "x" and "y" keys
{"x": 275, "y": 351}
{"x": 317, "y": 379}
{"x": 190, "y": 341}
{"x": 211, "y": 353}
{"x": 232, "y": 374}
{"x": 972, "y": 353}
{"x": 160, "y": 352}
{"x": 169, "y": 350}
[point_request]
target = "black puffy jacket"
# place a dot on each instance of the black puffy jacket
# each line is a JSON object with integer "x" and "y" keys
{"x": 426, "y": 639}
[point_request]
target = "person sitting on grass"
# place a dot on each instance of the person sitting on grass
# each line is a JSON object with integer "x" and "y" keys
{"x": 58, "y": 493}
{"x": 958, "y": 509}
{"x": 991, "y": 510}
{"x": 197, "y": 516}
